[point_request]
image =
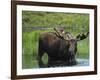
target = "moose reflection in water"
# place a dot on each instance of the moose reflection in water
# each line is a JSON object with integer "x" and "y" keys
{"x": 60, "y": 46}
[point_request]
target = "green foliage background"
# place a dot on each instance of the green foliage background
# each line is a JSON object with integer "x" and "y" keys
{"x": 32, "y": 22}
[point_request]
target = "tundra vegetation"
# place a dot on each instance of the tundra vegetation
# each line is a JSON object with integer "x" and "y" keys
{"x": 35, "y": 23}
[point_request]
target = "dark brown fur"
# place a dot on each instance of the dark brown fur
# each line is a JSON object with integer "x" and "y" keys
{"x": 60, "y": 52}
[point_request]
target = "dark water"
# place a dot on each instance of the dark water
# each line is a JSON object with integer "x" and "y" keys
{"x": 29, "y": 62}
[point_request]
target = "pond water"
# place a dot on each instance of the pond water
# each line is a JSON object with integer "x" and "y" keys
{"x": 29, "y": 62}
{"x": 83, "y": 62}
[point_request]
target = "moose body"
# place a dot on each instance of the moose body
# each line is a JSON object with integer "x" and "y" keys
{"x": 60, "y": 52}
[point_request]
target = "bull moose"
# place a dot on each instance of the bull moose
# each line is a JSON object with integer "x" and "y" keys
{"x": 61, "y": 49}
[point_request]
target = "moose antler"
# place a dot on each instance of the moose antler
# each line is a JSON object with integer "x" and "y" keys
{"x": 82, "y": 36}
{"x": 66, "y": 36}
{"x": 59, "y": 33}
{"x": 69, "y": 35}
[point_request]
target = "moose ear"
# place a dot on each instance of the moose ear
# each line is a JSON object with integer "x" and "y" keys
{"x": 82, "y": 36}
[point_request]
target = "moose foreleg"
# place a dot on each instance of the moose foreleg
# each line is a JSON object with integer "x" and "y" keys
{"x": 40, "y": 62}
